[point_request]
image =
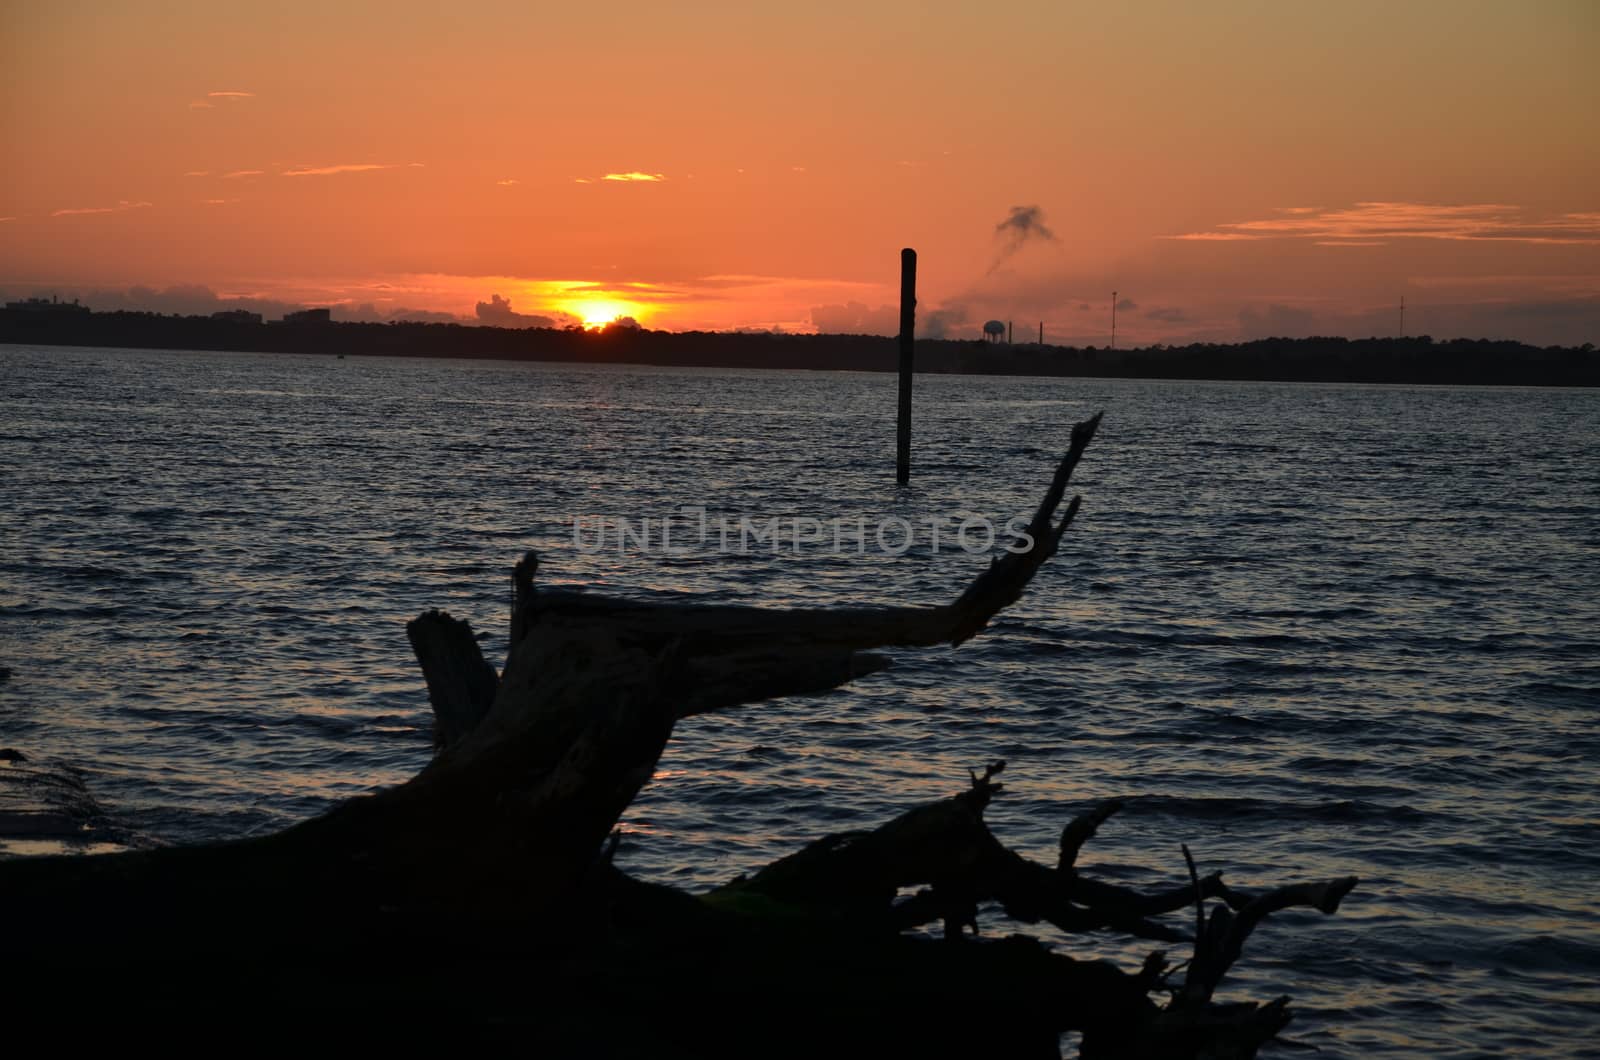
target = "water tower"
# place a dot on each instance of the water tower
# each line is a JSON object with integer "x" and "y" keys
{"x": 994, "y": 330}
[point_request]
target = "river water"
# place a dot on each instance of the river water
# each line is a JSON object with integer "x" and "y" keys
{"x": 1310, "y": 630}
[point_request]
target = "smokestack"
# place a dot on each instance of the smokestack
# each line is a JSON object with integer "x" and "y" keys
{"x": 1011, "y": 332}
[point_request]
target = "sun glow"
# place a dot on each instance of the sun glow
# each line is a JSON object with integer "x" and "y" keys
{"x": 597, "y": 313}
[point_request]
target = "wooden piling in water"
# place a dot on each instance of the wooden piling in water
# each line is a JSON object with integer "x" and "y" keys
{"x": 908, "y": 325}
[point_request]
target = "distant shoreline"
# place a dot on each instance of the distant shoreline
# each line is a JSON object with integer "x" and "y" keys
{"x": 1328, "y": 360}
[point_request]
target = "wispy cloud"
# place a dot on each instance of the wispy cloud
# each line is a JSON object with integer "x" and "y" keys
{"x": 1375, "y": 223}
{"x": 348, "y": 167}
{"x": 507, "y": 183}
{"x": 236, "y": 174}
{"x": 1217, "y": 237}
{"x": 225, "y": 96}
{"x": 635, "y": 177}
{"x": 118, "y": 208}
{"x": 198, "y": 173}
{"x": 1545, "y": 284}
{"x": 3, "y": 220}
{"x": 218, "y": 202}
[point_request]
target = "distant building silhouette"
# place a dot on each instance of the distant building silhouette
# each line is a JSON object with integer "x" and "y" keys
{"x": 309, "y": 316}
{"x": 239, "y": 316}
{"x": 994, "y": 330}
{"x": 46, "y": 305}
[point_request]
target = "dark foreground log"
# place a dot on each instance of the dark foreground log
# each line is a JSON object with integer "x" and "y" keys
{"x": 479, "y": 896}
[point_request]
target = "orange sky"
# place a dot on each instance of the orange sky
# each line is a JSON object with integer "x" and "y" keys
{"x": 1231, "y": 169}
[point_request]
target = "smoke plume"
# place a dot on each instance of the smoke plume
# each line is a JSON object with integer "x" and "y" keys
{"x": 1023, "y": 225}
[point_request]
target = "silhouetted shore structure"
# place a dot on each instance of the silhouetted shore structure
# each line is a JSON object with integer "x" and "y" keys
{"x": 1333, "y": 360}
{"x": 905, "y": 364}
{"x": 479, "y": 899}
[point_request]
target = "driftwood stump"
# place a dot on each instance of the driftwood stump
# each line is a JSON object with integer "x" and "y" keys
{"x": 478, "y": 898}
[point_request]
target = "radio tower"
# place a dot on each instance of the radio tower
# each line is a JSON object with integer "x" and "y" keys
{"x": 1113, "y": 320}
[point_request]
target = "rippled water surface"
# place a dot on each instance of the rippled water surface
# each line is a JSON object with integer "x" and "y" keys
{"x": 1310, "y": 630}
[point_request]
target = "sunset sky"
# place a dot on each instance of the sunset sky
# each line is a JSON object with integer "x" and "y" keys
{"x": 1232, "y": 169}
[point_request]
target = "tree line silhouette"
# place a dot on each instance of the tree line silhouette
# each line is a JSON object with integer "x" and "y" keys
{"x": 1317, "y": 359}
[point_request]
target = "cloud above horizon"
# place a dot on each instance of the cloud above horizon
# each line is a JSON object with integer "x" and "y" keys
{"x": 1373, "y": 224}
{"x": 194, "y": 299}
{"x": 187, "y": 299}
{"x": 368, "y": 313}
{"x": 1276, "y": 321}
{"x": 497, "y": 313}
{"x": 118, "y": 208}
{"x": 347, "y": 167}
{"x": 856, "y": 318}
{"x": 634, "y": 177}
{"x": 225, "y": 95}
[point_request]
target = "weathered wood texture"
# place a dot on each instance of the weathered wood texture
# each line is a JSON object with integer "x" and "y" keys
{"x": 461, "y": 683}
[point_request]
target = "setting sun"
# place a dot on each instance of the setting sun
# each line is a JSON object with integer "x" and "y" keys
{"x": 599, "y": 313}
